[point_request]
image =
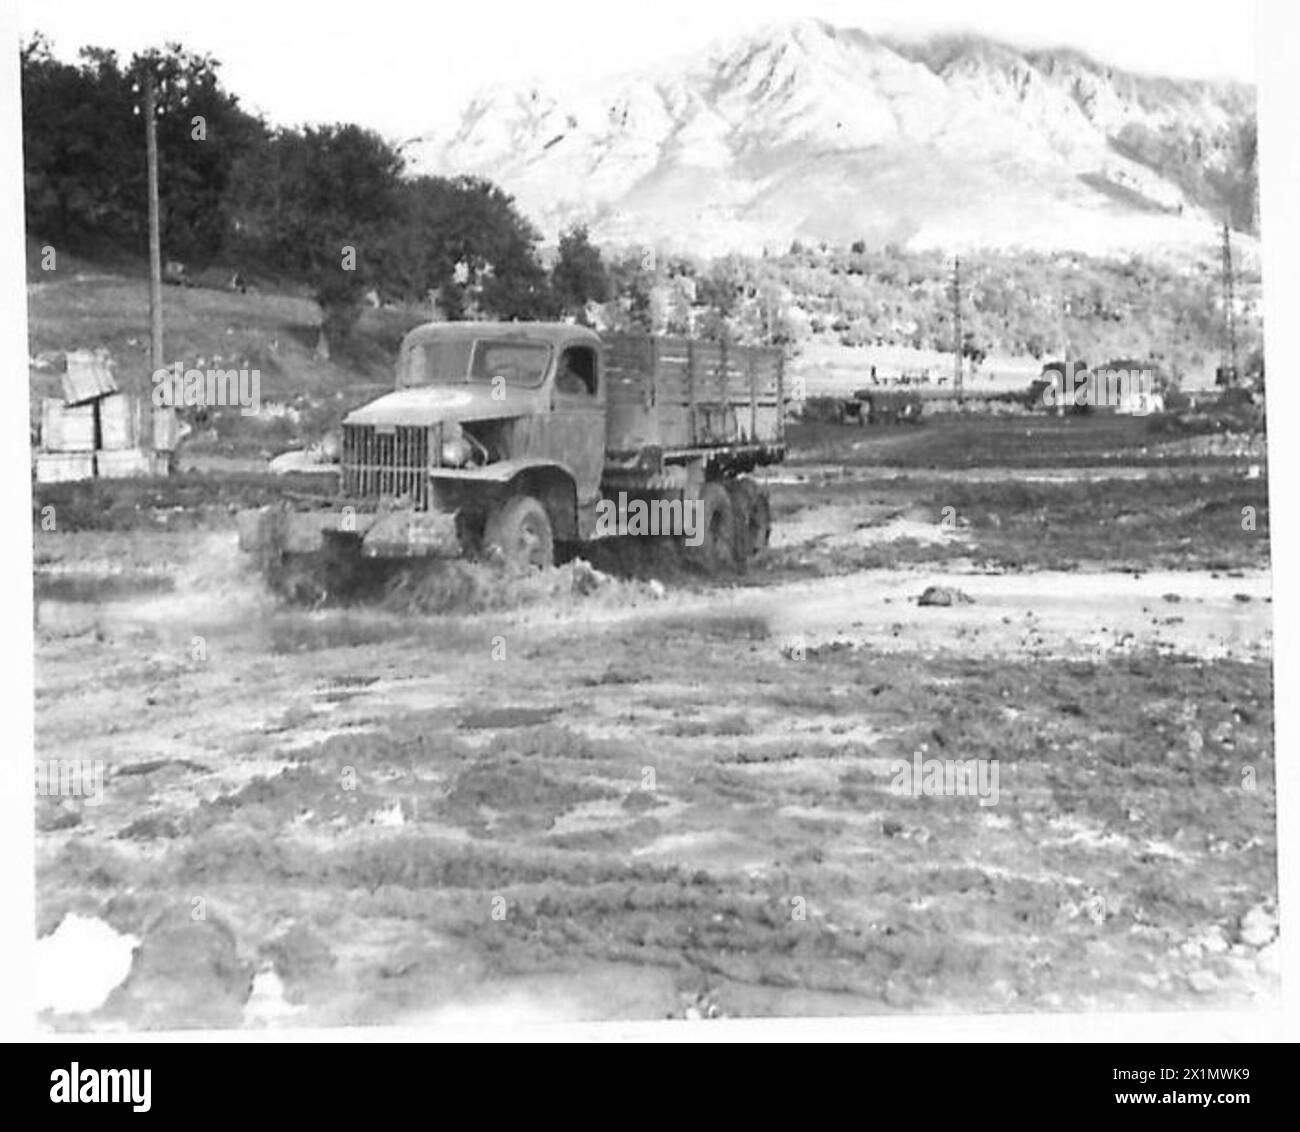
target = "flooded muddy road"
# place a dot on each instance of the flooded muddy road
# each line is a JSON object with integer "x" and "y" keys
{"x": 614, "y": 798}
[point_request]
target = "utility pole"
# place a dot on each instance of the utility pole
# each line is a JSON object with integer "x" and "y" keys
{"x": 156, "y": 359}
{"x": 162, "y": 420}
{"x": 1229, "y": 311}
{"x": 1063, "y": 331}
{"x": 1063, "y": 338}
{"x": 956, "y": 317}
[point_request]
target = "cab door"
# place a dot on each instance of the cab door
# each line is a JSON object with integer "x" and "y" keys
{"x": 577, "y": 420}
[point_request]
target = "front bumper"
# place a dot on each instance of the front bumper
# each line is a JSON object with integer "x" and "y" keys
{"x": 387, "y": 534}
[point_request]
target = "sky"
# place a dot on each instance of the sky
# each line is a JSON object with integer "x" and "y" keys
{"x": 404, "y": 64}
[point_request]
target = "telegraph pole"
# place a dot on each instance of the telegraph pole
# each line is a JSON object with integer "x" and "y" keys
{"x": 956, "y": 317}
{"x": 1229, "y": 311}
{"x": 156, "y": 358}
{"x": 161, "y": 428}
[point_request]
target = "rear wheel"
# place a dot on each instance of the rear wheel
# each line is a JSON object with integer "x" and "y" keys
{"x": 751, "y": 518}
{"x": 520, "y": 532}
{"x": 716, "y": 550}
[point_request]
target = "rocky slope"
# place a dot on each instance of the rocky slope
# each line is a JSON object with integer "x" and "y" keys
{"x": 820, "y": 133}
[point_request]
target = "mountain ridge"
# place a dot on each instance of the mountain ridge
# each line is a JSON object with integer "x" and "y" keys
{"x": 813, "y": 132}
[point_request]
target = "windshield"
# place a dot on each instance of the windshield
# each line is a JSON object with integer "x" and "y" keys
{"x": 455, "y": 363}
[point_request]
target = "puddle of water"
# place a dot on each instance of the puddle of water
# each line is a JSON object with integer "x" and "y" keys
{"x": 290, "y": 633}
{"x": 501, "y": 717}
{"x": 684, "y": 846}
{"x": 173, "y": 617}
{"x": 95, "y": 588}
{"x": 75, "y": 603}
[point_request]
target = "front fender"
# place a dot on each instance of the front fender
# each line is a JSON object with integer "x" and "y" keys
{"x": 503, "y": 471}
{"x": 547, "y": 480}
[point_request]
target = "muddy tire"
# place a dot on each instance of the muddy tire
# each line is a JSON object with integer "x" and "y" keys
{"x": 470, "y": 526}
{"x": 717, "y": 550}
{"x": 751, "y": 518}
{"x": 519, "y": 531}
{"x": 320, "y": 577}
{"x": 297, "y": 578}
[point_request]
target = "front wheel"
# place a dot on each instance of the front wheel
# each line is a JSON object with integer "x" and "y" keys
{"x": 470, "y": 524}
{"x": 329, "y": 575}
{"x": 520, "y": 532}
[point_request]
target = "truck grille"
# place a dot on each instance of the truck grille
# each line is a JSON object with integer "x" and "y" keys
{"x": 387, "y": 465}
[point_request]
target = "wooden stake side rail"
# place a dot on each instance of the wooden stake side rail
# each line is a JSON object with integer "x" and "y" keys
{"x": 679, "y": 393}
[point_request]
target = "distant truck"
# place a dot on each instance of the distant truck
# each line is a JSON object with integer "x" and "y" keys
{"x": 1044, "y": 391}
{"x": 506, "y": 439}
{"x": 1130, "y": 386}
{"x": 882, "y": 405}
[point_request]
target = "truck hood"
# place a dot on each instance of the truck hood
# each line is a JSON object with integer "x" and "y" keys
{"x": 433, "y": 404}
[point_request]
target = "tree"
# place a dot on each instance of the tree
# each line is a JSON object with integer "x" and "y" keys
{"x": 83, "y": 155}
{"x": 84, "y": 149}
{"x": 316, "y": 205}
{"x": 324, "y": 207}
{"x": 728, "y": 292}
{"x": 202, "y": 133}
{"x": 463, "y": 238}
{"x": 579, "y": 276}
{"x": 631, "y": 285}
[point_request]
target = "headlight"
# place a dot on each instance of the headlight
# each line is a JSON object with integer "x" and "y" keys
{"x": 456, "y": 451}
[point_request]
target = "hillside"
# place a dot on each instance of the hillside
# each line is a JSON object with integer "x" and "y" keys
{"x": 828, "y": 134}
{"x": 839, "y": 312}
{"x": 302, "y": 394}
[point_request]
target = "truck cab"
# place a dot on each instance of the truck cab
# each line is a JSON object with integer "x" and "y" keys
{"x": 482, "y": 412}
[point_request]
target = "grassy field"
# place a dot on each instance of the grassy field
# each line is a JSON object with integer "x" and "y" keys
{"x": 1025, "y": 441}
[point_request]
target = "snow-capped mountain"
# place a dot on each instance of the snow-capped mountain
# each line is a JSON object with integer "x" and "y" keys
{"x": 813, "y": 132}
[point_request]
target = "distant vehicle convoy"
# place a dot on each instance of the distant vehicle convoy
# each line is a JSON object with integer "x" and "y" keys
{"x": 506, "y": 439}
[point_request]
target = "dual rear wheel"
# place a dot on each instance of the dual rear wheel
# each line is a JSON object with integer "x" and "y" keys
{"x": 736, "y": 525}
{"x": 735, "y": 522}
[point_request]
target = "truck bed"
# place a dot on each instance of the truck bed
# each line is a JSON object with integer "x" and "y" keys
{"x": 686, "y": 394}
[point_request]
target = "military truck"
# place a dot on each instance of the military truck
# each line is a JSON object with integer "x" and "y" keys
{"x": 877, "y": 405}
{"x": 513, "y": 440}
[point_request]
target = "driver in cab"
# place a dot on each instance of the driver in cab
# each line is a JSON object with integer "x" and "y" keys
{"x": 569, "y": 379}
